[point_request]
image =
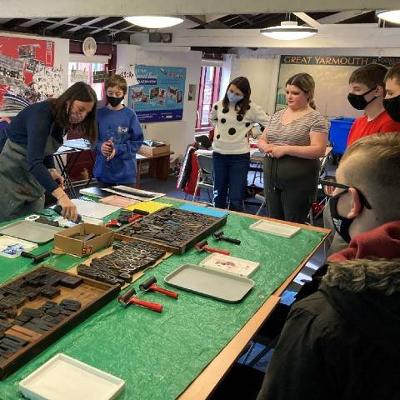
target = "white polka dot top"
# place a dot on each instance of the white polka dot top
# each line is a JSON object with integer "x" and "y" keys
{"x": 232, "y": 129}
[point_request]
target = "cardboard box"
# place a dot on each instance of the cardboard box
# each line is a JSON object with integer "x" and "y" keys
{"x": 65, "y": 241}
{"x": 149, "y": 151}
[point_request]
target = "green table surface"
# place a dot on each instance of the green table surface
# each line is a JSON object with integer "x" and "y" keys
{"x": 159, "y": 355}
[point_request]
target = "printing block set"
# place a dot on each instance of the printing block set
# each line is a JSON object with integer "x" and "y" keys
{"x": 173, "y": 229}
{"x": 29, "y": 321}
{"x": 118, "y": 267}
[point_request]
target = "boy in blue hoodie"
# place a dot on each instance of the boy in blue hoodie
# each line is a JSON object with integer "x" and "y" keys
{"x": 120, "y": 136}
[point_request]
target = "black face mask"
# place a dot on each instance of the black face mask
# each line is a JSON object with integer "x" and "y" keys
{"x": 341, "y": 224}
{"x": 358, "y": 101}
{"x": 114, "y": 101}
{"x": 392, "y": 107}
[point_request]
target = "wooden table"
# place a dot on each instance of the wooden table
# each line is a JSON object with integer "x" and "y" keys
{"x": 158, "y": 166}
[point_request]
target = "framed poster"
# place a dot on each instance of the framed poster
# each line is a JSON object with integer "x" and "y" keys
{"x": 27, "y": 73}
{"x": 159, "y": 94}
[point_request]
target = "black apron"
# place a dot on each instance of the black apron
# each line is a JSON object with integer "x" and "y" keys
{"x": 22, "y": 193}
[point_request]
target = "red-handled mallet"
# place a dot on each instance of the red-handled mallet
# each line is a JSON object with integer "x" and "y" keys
{"x": 130, "y": 298}
{"x": 151, "y": 286}
{"x": 202, "y": 246}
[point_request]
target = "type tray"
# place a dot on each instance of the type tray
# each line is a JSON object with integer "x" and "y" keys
{"x": 84, "y": 382}
{"x": 172, "y": 229}
{"x": 17, "y": 297}
{"x": 209, "y": 282}
{"x": 31, "y": 231}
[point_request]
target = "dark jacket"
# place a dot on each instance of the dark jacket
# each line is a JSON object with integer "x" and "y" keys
{"x": 342, "y": 342}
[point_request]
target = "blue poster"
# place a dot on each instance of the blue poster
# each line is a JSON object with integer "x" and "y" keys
{"x": 159, "y": 94}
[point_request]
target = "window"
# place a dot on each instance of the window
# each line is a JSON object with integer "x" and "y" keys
{"x": 78, "y": 71}
{"x": 210, "y": 80}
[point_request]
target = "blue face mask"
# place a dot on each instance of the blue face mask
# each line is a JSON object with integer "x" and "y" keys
{"x": 233, "y": 98}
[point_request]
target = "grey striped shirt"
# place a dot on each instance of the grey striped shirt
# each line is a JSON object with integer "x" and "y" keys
{"x": 297, "y": 132}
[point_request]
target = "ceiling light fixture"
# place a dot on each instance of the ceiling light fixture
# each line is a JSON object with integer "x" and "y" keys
{"x": 389, "y": 16}
{"x": 154, "y": 22}
{"x": 289, "y": 30}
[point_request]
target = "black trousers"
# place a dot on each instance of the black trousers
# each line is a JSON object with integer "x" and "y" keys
{"x": 290, "y": 186}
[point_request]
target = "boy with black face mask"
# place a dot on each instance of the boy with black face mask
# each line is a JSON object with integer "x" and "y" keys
{"x": 341, "y": 342}
{"x": 120, "y": 136}
{"x": 367, "y": 91}
{"x": 392, "y": 100}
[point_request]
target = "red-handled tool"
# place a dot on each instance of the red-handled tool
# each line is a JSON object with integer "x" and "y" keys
{"x": 202, "y": 246}
{"x": 130, "y": 298}
{"x": 151, "y": 286}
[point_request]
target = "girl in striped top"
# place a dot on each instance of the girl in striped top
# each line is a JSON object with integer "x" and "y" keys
{"x": 294, "y": 140}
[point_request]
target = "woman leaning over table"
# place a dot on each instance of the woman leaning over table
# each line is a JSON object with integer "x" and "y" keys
{"x": 34, "y": 135}
{"x": 294, "y": 140}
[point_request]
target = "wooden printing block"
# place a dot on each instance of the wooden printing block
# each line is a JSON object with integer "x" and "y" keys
{"x": 31, "y": 312}
{"x": 71, "y": 281}
{"x": 49, "y": 291}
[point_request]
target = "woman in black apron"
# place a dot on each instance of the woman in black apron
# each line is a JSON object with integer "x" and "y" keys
{"x": 26, "y": 161}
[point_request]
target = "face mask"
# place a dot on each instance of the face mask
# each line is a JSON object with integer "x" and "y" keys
{"x": 233, "y": 98}
{"x": 358, "y": 101}
{"x": 114, "y": 101}
{"x": 341, "y": 224}
{"x": 392, "y": 106}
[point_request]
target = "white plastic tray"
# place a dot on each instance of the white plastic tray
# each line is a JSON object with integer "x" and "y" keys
{"x": 31, "y": 231}
{"x": 210, "y": 282}
{"x": 64, "y": 378}
{"x": 275, "y": 228}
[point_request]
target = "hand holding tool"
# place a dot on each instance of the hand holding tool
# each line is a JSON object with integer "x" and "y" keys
{"x": 58, "y": 210}
{"x": 220, "y": 236}
{"x": 151, "y": 286}
{"x": 130, "y": 298}
{"x": 203, "y": 246}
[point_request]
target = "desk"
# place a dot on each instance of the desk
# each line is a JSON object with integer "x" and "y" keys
{"x": 188, "y": 348}
{"x": 158, "y": 166}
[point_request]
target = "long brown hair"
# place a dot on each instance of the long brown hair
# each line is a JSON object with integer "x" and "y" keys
{"x": 243, "y": 85}
{"x": 306, "y": 84}
{"x": 61, "y": 108}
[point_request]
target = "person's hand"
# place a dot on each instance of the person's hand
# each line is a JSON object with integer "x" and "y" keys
{"x": 69, "y": 210}
{"x": 277, "y": 151}
{"x": 107, "y": 148}
{"x": 57, "y": 177}
{"x": 265, "y": 147}
{"x": 112, "y": 155}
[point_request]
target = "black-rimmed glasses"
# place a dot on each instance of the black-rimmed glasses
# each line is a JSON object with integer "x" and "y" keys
{"x": 364, "y": 201}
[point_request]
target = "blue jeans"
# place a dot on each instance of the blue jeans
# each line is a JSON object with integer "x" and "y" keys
{"x": 230, "y": 179}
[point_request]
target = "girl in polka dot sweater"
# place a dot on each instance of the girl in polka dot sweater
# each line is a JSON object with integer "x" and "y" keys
{"x": 233, "y": 117}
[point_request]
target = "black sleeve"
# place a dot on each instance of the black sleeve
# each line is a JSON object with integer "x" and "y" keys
{"x": 296, "y": 370}
{"x": 48, "y": 161}
{"x": 38, "y": 130}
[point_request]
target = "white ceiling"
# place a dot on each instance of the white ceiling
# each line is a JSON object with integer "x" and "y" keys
{"x": 70, "y": 8}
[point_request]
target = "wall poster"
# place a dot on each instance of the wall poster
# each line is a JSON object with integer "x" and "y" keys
{"x": 159, "y": 94}
{"x": 27, "y": 73}
{"x": 331, "y": 75}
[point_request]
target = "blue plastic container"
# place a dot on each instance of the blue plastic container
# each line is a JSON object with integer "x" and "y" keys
{"x": 338, "y": 133}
